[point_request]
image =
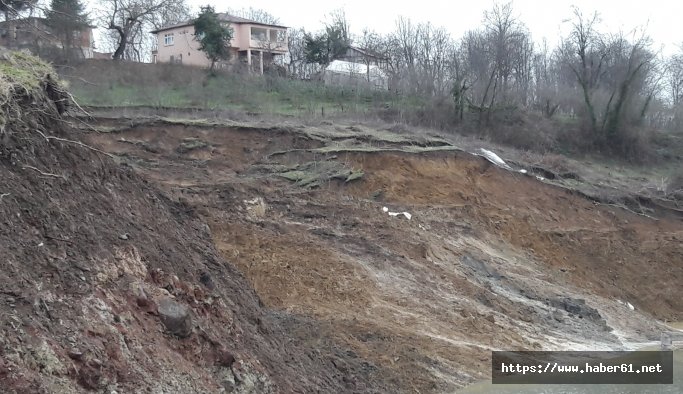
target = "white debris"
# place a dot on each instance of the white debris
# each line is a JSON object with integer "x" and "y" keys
{"x": 630, "y": 306}
{"x": 522, "y": 171}
{"x": 256, "y": 207}
{"x": 406, "y": 214}
{"x": 256, "y": 200}
{"x": 540, "y": 178}
{"x": 495, "y": 159}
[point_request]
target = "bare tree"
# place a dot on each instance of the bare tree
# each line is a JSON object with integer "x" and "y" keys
{"x": 546, "y": 96}
{"x": 131, "y": 20}
{"x": 372, "y": 50}
{"x": 675, "y": 77}
{"x": 583, "y": 53}
{"x": 255, "y": 14}
{"x": 617, "y": 76}
{"x": 295, "y": 59}
{"x": 407, "y": 45}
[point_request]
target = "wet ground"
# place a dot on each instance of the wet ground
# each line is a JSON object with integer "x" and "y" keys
{"x": 490, "y": 260}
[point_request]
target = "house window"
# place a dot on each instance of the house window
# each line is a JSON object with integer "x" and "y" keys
{"x": 259, "y": 34}
{"x": 281, "y": 35}
{"x": 168, "y": 39}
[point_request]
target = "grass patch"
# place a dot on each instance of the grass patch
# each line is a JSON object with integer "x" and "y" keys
{"x": 115, "y": 84}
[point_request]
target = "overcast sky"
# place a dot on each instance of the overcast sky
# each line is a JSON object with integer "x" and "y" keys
{"x": 544, "y": 18}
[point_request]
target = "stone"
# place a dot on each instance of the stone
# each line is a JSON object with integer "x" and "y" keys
{"x": 225, "y": 358}
{"x": 141, "y": 297}
{"x": 206, "y": 280}
{"x": 176, "y": 317}
{"x": 75, "y": 354}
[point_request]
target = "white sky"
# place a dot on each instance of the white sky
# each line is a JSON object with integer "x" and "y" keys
{"x": 544, "y": 18}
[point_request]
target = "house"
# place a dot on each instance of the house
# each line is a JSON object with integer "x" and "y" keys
{"x": 364, "y": 56}
{"x": 253, "y": 43}
{"x": 358, "y": 67}
{"x": 343, "y": 73}
{"x": 34, "y": 34}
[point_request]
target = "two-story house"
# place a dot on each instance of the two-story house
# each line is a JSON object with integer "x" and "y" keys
{"x": 253, "y": 43}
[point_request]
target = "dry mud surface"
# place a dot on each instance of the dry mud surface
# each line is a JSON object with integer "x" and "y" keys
{"x": 490, "y": 259}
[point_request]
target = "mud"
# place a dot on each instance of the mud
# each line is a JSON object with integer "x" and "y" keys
{"x": 490, "y": 259}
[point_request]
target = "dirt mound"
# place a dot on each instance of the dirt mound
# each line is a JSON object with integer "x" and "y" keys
{"x": 89, "y": 250}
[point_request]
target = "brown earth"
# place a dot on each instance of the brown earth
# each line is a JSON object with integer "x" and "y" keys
{"x": 491, "y": 259}
{"x": 89, "y": 248}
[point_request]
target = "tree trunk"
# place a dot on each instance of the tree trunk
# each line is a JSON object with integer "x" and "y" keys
{"x": 123, "y": 40}
{"x": 589, "y": 107}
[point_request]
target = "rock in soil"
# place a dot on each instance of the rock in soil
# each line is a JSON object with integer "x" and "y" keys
{"x": 176, "y": 317}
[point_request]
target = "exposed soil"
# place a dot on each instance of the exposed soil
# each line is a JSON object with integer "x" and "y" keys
{"x": 90, "y": 248}
{"x": 490, "y": 259}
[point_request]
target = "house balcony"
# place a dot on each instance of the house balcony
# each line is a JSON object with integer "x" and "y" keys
{"x": 268, "y": 46}
{"x": 268, "y": 39}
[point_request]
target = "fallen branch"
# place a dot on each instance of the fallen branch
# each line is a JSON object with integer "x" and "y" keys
{"x": 81, "y": 144}
{"x": 49, "y": 137}
{"x": 79, "y": 78}
{"x": 3, "y": 195}
{"x": 45, "y": 173}
{"x": 73, "y": 100}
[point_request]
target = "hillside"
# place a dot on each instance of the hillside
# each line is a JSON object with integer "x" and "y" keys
{"x": 108, "y": 285}
{"x": 205, "y": 252}
{"x": 489, "y": 259}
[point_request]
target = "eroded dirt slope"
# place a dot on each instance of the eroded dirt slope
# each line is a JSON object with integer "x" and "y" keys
{"x": 99, "y": 272}
{"x": 489, "y": 260}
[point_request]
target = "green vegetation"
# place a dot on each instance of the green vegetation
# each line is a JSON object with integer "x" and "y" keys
{"x": 213, "y": 36}
{"x": 174, "y": 86}
{"x": 27, "y": 82}
{"x": 22, "y": 70}
{"x": 65, "y": 18}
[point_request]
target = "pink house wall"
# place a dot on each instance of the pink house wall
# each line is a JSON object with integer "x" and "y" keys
{"x": 185, "y": 46}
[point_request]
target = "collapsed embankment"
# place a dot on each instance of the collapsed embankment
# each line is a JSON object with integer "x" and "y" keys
{"x": 108, "y": 285}
{"x": 490, "y": 259}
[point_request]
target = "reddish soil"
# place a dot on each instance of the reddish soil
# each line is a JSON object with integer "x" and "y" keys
{"x": 490, "y": 260}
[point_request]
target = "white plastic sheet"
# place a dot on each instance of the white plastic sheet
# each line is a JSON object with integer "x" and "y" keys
{"x": 494, "y": 158}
